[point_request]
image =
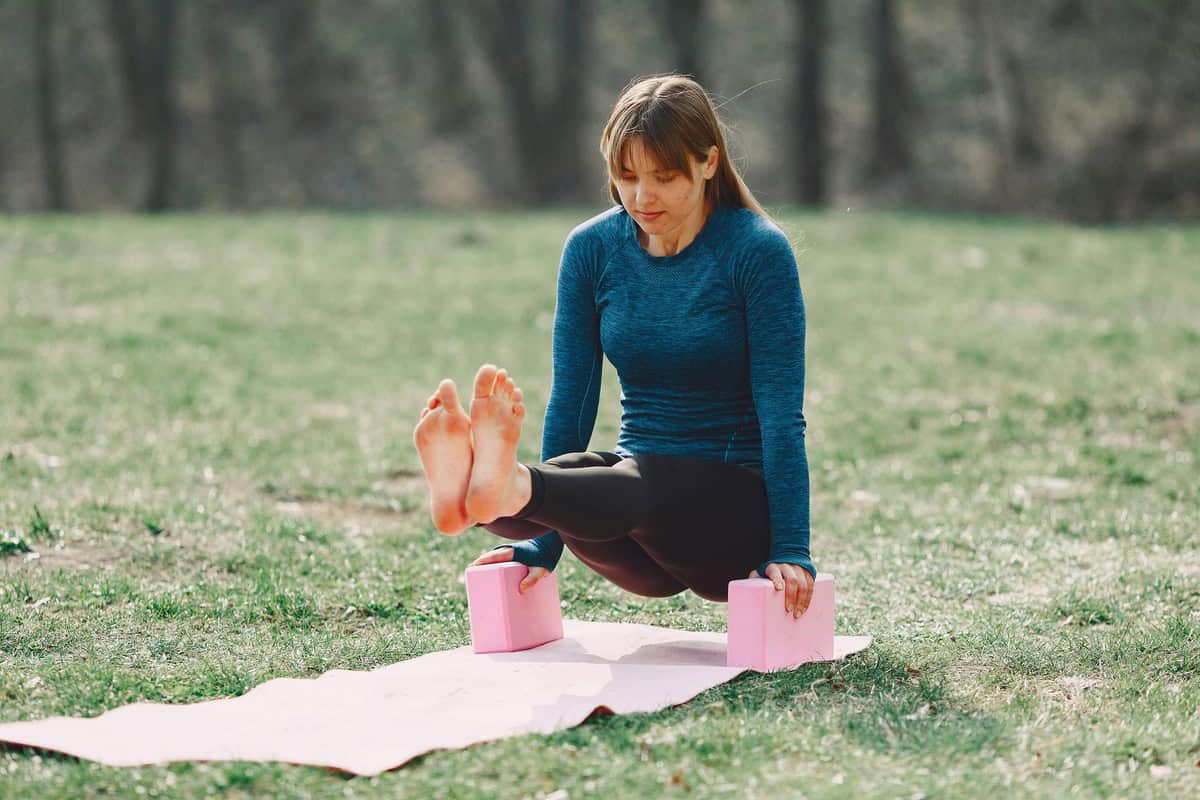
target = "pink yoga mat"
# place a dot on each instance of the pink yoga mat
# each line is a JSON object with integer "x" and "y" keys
{"x": 369, "y": 722}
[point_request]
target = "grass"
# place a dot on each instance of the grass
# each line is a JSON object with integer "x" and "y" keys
{"x": 205, "y": 440}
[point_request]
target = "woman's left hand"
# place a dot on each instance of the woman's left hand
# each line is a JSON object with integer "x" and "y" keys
{"x": 797, "y": 582}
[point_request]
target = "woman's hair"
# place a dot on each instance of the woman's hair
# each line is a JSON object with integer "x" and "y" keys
{"x": 676, "y": 123}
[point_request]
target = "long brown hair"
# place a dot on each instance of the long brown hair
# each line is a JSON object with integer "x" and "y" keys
{"x": 676, "y": 121}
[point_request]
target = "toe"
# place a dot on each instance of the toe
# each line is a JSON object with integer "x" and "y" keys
{"x": 485, "y": 379}
{"x": 448, "y": 395}
{"x": 517, "y": 396}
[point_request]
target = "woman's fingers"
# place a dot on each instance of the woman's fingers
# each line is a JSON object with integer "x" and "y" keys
{"x": 795, "y": 582}
{"x": 775, "y": 576}
{"x": 535, "y": 575}
{"x": 811, "y": 583}
{"x": 799, "y": 590}
{"x": 506, "y": 554}
{"x": 793, "y": 593}
{"x": 494, "y": 556}
{"x": 804, "y": 591}
{"x": 784, "y": 581}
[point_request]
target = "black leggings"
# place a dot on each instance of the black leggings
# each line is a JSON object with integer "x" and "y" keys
{"x": 653, "y": 525}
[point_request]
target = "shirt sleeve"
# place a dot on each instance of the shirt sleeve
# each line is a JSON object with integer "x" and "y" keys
{"x": 769, "y": 281}
{"x": 577, "y": 368}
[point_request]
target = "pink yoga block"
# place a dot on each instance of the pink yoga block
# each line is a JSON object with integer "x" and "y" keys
{"x": 502, "y": 619}
{"x": 764, "y": 637}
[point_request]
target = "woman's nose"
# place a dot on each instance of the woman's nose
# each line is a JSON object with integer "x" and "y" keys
{"x": 643, "y": 194}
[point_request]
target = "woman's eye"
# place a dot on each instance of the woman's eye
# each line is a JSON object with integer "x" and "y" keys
{"x": 661, "y": 178}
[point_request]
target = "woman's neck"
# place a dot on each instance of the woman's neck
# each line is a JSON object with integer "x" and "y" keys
{"x": 675, "y": 241}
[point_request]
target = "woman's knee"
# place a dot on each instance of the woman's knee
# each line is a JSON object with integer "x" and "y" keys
{"x": 712, "y": 592}
{"x": 648, "y": 585}
{"x": 662, "y": 591}
{"x": 626, "y": 565}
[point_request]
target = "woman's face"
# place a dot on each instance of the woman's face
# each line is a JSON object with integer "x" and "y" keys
{"x": 660, "y": 200}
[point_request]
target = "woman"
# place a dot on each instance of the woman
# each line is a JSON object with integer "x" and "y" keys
{"x": 693, "y": 293}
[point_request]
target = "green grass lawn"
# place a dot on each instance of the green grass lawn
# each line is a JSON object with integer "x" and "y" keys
{"x": 206, "y": 440}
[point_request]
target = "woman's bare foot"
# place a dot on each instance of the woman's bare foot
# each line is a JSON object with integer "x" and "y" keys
{"x": 500, "y": 486}
{"x": 443, "y": 440}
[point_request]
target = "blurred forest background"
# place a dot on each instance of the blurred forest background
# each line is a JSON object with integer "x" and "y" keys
{"x": 1087, "y": 110}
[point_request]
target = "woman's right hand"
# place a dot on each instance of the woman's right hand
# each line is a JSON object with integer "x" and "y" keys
{"x": 506, "y": 554}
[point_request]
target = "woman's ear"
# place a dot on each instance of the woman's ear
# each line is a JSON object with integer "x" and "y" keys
{"x": 710, "y": 166}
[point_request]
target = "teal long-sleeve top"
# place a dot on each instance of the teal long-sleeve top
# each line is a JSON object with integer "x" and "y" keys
{"x": 709, "y": 348}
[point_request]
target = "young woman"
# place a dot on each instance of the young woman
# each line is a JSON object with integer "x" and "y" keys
{"x": 693, "y": 294}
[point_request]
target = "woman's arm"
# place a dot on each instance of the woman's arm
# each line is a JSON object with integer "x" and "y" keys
{"x": 769, "y": 281}
{"x": 577, "y": 366}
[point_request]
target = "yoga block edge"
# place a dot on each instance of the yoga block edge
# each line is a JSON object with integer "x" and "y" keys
{"x": 764, "y": 637}
{"x": 504, "y": 620}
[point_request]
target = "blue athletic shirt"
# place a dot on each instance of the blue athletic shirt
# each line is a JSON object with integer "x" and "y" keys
{"x": 709, "y": 348}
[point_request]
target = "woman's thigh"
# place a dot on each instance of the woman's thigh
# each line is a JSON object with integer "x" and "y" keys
{"x": 708, "y": 524}
{"x": 519, "y": 529}
{"x": 619, "y": 560}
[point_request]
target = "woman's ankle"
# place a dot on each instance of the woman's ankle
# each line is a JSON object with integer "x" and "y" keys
{"x": 522, "y": 491}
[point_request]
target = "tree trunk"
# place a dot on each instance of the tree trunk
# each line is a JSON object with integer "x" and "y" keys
{"x": 1138, "y": 133}
{"x": 1025, "y": 139}
{"x": 318, "y": 92}
{"x": 546, "y": 133}
{"x": 3, "y": 170}
{"x": 1016, "y": 117}
{"x": 228, "y": 103}
{"x": 53, "y": 172}
{"x": 504, "y": 37}
{"x": 891, "y": 148}
{"x": 304, "y": 71}
{"x": 1068, "y": 15}
{"x": 162, "y": 165}
{"x": 683, "y": 22}
{"x": 808, "y": 109}
{"x": 127, "y": 29}
{"x": 453, "y": 105}
{"x": 565, "y": 173}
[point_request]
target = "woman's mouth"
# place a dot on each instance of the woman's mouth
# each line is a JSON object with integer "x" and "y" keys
{"x": 649, "y": 217}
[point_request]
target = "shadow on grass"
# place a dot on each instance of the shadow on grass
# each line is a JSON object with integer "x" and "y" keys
{"x": 873, "y": 699}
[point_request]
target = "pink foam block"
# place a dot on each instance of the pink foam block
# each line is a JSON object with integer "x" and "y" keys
{"x": 502, "y": 619}
{"x": 764, "y": 637}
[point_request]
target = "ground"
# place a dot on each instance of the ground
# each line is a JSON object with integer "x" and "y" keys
{"x": 208, "y": 481}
